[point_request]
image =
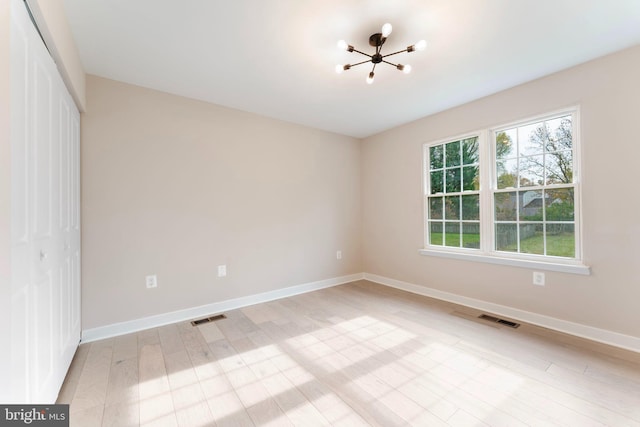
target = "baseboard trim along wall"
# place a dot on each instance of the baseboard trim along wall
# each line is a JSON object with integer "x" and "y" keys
{"x": 136, "y": 325}
{"x": 589, "y": 332}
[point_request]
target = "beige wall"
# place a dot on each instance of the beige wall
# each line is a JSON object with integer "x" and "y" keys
{"x": 608, "y": 93}
{"x": 175, "y": 187}
{"x": 5, "y": 198}
{"x": 54, "y": 27}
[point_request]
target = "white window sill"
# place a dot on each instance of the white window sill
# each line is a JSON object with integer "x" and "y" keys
{"x": 573, "y": 268}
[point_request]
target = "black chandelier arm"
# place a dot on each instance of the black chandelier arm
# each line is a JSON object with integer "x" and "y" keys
{"x": 395, "y": 53}
{"x": 362, "y": 53}
{"x": 390, "y": 63}
{"x": 360, "y": 63}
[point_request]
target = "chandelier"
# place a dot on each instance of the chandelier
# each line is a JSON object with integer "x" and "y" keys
{"x": 377, "y": 40}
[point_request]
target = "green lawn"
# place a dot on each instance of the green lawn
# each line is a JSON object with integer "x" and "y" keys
{"x": 557, "y": 244}
{"x": 468, "y": 240}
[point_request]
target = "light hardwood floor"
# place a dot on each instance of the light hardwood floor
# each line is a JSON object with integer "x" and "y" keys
{"x": 356, "y": 354}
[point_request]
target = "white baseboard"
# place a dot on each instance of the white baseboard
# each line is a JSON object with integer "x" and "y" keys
{"x": 589, "y": 332}
{"x": 627, "y": 342}
{"x": 130, "y": 326}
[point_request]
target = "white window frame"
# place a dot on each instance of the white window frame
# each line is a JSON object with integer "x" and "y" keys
{"x": 486, "y": 253}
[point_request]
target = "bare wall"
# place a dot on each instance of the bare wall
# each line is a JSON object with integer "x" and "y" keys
{"x": 608, "y": 93}
{"x": 176, "y": 187}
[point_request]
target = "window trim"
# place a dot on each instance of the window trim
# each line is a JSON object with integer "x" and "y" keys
{"x": 487, "y": 253}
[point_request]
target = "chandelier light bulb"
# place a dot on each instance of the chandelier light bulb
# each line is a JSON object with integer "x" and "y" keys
{"x": 406, "y": 69}
{"x": 386, "y": 30}
{"x": 342, "y": 45}
{"x": 339, "y": 69}
{"x": 370, "y": 78}
{"x": 421, "y": 45}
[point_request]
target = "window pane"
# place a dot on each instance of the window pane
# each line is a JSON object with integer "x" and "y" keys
{"x": 561, "y": 240}
{"x": 436, "y": 182}
{"x": 471, "y": 235}
{"x": 507, "y": 173}
{"x": 452, "y": 234}
{"x": 452, "y": 207}
{"x": 531, "y": 171}
{"x": 531, "y": 205}
{"x": 560, "y": 205}
{"x": 435, "y": 208}
{"x": 471, "y": 207}
{"x": 436, "y": 157}
{"x": 559, "y": 167}
{"x": 532, "y": 139}
{"x": 554, "y": 124}
{"x": 506, "y": 144}
{"x": 505, "y": 205}
{"x": 507, "y": 237}
{"x": 453, "y": 153}
{"x": 453, "y": 181}
{"x": 435, "y": 233}
{"x": 532, "y": 239}
{"x": 470, "y": 154}
{"x": 470, "y": 178}
{"x": 561, "y": 130}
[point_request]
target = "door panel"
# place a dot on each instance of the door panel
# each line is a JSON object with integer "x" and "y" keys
{"x": 43, "y": 334}
{"x": 41, "y": 111}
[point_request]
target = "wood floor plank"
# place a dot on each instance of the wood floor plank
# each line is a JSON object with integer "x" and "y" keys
{"x": 268, "y": 413}
{"x": 180, "y": 370}
{"x": 170, "y": 339}
{"x": 125, "y": 347}
{"x": 123, "y": 414}
{"x": 94, "y": 379}
{"x": 359, "y": 354}
{"x": 123, "y": 382}
{"x": 91, "y": 417}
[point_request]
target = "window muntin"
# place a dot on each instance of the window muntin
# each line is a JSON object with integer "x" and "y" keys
{"x": 453, "y": 203}
{"x": 524, "y": 203}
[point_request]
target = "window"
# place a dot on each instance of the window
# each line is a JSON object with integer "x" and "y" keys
{"x": 534, "y": 196}
{"x": 507, "y": 193}
{"x": 454, "y": 205}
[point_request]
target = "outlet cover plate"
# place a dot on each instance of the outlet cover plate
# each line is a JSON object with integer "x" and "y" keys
{"x": 538, "y": 278}
{"x": 151, "y": 281}
{"x": 222, "y": 270}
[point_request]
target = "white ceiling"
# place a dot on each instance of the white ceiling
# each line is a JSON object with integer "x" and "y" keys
{"x": 277, "y": 57}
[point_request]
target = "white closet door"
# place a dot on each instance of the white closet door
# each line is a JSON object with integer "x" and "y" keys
{"x": 45, "y": 221}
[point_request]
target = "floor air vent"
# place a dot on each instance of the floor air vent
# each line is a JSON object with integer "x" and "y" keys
{"x": 498, "y": 320}
{"x": 208, "y": 319}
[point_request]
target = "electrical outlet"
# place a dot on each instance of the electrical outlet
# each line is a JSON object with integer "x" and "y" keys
{"x": 339, "y": 255}
{"x": 151, "y": 281}
{"x": 222, "y": 270}
{"x": 538, "y": 278}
